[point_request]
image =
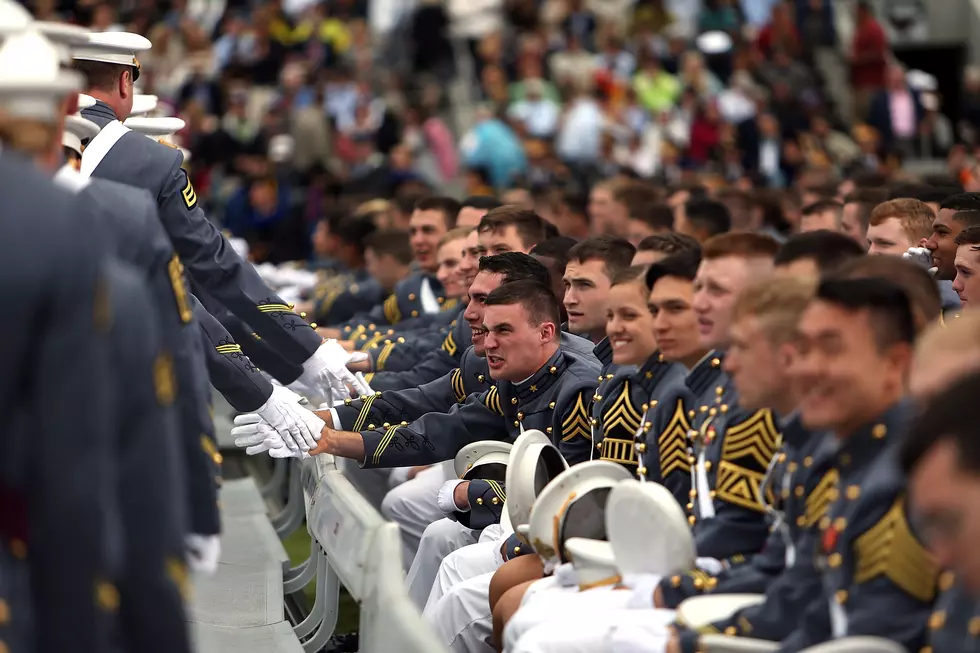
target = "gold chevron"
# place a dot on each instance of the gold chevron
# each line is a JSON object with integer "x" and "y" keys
{"x": 890, "y": 549}
{"x": 621, "y": 414}
{"x": 492, "y": 401}
{"x": 819, "y": 499}
{"x": 577, "y": 422}
{"x": 449, "y": 344}
{"x": 672, "y": 443}
{"x": 755, "y": 437}
{"x": 391, "y": 310}
{"x": 457, "y": 382}
{"x": 739, "y": 485}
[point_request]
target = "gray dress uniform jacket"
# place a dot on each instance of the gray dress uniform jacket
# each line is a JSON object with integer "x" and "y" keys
{"x": 436, "y": 363}
{"x": 152, "y": 584}
{"x": 954, "y": 625}
{"x": 555, "y": 400}
{"x": 56, "y": 474}
{"x": 877, "y": 578}
{"x": 403, "y": 303}
{"x": 127, "y": 220}
{"x": 210, "y": 260}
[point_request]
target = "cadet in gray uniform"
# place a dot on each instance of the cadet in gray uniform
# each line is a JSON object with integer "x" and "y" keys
{"x": 153, "y": 583}
{"x": 57, "y": 472}
{"x": 553, "y": 399}
{"x": 436, "y": 363}
{"x": 130, "y": 158}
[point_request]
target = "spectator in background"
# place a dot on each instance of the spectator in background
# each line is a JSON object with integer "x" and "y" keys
{"x": 493, "y": 147}
{"x": 783, "y": 69}
{"x": 580, "y": 24}
{"x": 579, "y": 137}
{"x": 718, "y": 15}
{"x": 655, "y": 88}
{"x": 895, "y": 113}
{"x": 869, "y": 59}
{"x": 695, "y": 76}
{"x": 263, "y": 213}
{"x": 650, "y": 19}
{"x": 780, "y": 32}
{"x": 969, "y": 124}
{"x": 534, "y": 115}
{"x": 573, "y": 66}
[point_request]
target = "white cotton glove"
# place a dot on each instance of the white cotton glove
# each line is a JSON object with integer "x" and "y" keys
{"x": 713, "y": 566}
{"x": 256, "y": 436}
{"x": 326, "y": 370}
{"x": 362, "y": 387}
{"x": 203, "y": 552}
{"x": 299, "y": 428}
{"x": 922, "y": 257}
{"x": 643, "y": 586}
{"x": 446, "y": 502}
{"x": 566, "y": 575}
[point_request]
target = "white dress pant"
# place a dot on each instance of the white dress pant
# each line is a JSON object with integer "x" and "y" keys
{"x": 413, "y": 506}
{"x": 463, "y": 564}
{"x": 440, "y": 539}
{"x": 558, "y": 603}
{"x": 461, "y": 618}
{"x": 603, "y": 631}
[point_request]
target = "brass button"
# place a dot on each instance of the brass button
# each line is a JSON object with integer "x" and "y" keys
{"x": 715, "y": 362}
{"x": 415, "y": 313}
{"x": 517, "y": 550}
{"x": 513, "y": 401}
{"x": 693, "y": 493}
{"x": 798, "y": 491}
{"x": 937, "y": 620}
{"x": 107, "y": 596}
{"x": 824, "y": 523}
{"x": 974, "y": 626}
{"x": 516, "y": 423}
{"x": 840, "y": 596}
{"x": 711, "y": 494}
{"x": 4, "y": 612}
{"x": 840, "y": 524}
{"x": 698, "y": 584}
{"x": 370, "y": 427}
{"x": 690, "y": 506}
{"x": 411, "y": 297}
{"x": 879, "y": 431}
{"x": 598, "y": 445}
{"x": 731, "y": 631}
{"x": 800, "y": 521}
{"x": 481, "y": 378}
{"x": 853, "y": 492}
{"x": 691, "y": 520}
{"x": 553, "y": 370}
{"x": 724, "y": 408}
{"x": 551, "y": 405}
{"x": 720, "y": 390}
{"x": 808, "y": 461}
{"x": 642, "y": 448}
{"x": 548, "y": 431}
{"x": 707, "y": 465}
{"x": 642, "y": 471}
{"x": 479, "y": 501}
{"x": 520, "y": 415}
{"x": 18, "y": 548}
{"x": 946, "y": 580}
{"x": 834, "y": 560}
{"x": 494, "y": 500}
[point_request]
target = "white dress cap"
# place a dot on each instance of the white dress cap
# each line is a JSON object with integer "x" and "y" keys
{"x": 156, "y": 126}
{"x": 144, "y": 104}
{"x": 120, "y": 48}
{"x": 714, "y": 42}
{"x": 32, "y": 81}
{"x": 13, "y": 18}
{"x": 77, "y": 129}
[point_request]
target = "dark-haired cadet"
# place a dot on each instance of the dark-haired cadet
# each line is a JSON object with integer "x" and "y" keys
{"x": 813, "y": 254}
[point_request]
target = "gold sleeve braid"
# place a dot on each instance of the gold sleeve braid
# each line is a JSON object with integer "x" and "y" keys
{"x": 449, "y": 344}
{"x": 576, "y": 422}
{"x": 457, "y": 382}
{"x": 392, "y": 313}
{"x": 672, "y": 443}
{"x": 746, "y": 451}
{"x": 492, "y": 401}
{"x": 890, "y": 549}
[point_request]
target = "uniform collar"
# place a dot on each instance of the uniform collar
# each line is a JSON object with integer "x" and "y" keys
{"x": 101, "y": 110}
{"x": 705, "y": 373}
{"x": 792, "y": 430}
{"x": 603, "y": 351}
{"x": 864, "y": 445}
{"x": 653, "y": 371}
{"x": 543, "y": 379}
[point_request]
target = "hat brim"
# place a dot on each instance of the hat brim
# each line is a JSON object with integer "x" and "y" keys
{"x": 470, "y": 455}
{"x": 80, "y": 127}
{"x": 155, "y": 126}
{"x": 648, "y": 530}
{"x": 534, "y": 461}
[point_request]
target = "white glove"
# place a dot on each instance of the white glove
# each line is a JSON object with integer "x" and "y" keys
{"x": 299, "y": 428}
{"x": 446, "y": 502}
{"x": 364, "y": 388}
{"x": 203, "y": 552}
{"x": 643, "y": 586}
{"x": 711, "y": 565}
{"x": 257, "y": 436}
{"x": 566, "y": 575}
{"x": 327, "y": 369}
{"x": 922, "y": 257}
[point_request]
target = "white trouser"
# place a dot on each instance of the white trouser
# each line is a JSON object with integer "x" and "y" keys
{"x": 547, "y": 605}
{"x": 463, "y": 564}
{"x": 440, "y": 539}
{"x": 413, "y": 506}
{"x": 371, "y": 483}
{"x": 615, "y": 631}
{"x": 462, "y": 619}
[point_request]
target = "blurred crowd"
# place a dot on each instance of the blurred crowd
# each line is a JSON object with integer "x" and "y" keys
{"x": 295, "y": 105}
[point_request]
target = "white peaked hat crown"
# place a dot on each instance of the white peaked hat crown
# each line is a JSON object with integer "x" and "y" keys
{"x": 122, "y": 48}
{"x": 32, "y": 81}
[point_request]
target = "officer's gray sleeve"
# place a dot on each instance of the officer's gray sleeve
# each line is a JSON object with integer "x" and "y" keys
{"x": 70, "y": 398}
{"x": 211, "y": 262}
{"x": 150, "y": 480}
{"x": 253, "y": 346}
{"x": 435, "y": 364}
{"x": 231, "y": 372}
{"x": 436, "y": 437}
{"x": 397, "y": 407}
{"x": 402, "y": 353}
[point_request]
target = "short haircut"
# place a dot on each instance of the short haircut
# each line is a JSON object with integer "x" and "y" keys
{"x": 962, "y": 202}
{"x": 828, "y": 249}
{"x": 484, "y": 202}
{"x": 354, "y": 231}
{"x": 457, "y": 233}
{"x": 776, "y": 303}
{"x": 530, "y": 226}
{"x": 391, "y": 242}
{"x": 711, "y": 216}
{"x": 658, "y": 217}
{"x": 683, "y": 266}
{"x": 556, "y": 248}
{"x": 869, "y": 179}
{"x": 616, "y": 253}
{"x": 824, "y": 206}
{"x": 919, "y": 286}
{"x": 916, "y": 216}
{"x": 405, "y": 202}
{"x": 445, "y": 205}
{"x": 743, "y": 244}
{"x": 515, "y": 266}
{"x": 969, "y": 236}
{"x": 635, "y": 273}
{"x": 694, "y": 189}
{"x": 866, "y": 200}
{"x": 967, "y": 218}
{"x": 98, "y": 74}
{"x": 730, "y": 195}
{"x": 534, "y": 297}
{"x": 888, "y": 304}
{"x": 669, "y": 243}
{"x": 949, "y": 416}
{"x": 634, "y": 195}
